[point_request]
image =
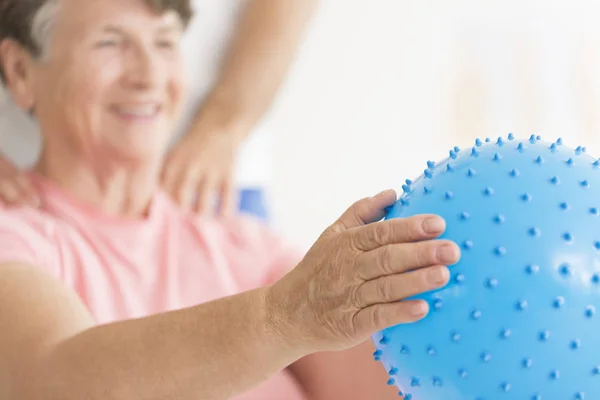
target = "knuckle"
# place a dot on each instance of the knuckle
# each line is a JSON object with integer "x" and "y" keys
{"x": 425, "y": 253}
{"x": 384, "y": 260}
{"x": 381, "y": 233}
{"x": 418, "y": 279}
{"x": 347, "y": 240}
{"x": 378, "y": 316}
{"x": 384, "y": 289}
{"x": 412, "y": 256}
{"x": 412, "y": 283}
{"x": 356, "y": 240}
{"x": 419, "y": 282}
{"x": 413, "y": 228}
{"x": 356, "y": 297}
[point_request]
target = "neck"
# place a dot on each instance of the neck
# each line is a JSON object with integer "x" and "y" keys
{"x": 116, "y": 189}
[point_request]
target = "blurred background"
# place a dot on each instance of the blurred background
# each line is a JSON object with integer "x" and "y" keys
{"x": 380, "y": 87}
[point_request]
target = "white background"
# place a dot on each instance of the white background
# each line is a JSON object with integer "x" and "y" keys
{"x": 382, "y": 86}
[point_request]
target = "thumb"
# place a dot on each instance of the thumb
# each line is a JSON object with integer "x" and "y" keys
{"x": 365, "y": 211}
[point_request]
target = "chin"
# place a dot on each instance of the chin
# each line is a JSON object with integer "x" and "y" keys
{"x": 140, "y": 144}
{"x": 136, "y": 144}
{"x": 137, "y": 157}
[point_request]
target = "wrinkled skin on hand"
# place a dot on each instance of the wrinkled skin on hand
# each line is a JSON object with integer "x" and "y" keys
{"x": 355, "y": 279}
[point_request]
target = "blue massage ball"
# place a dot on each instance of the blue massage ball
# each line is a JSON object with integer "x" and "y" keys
{"x": 519, "y": 319}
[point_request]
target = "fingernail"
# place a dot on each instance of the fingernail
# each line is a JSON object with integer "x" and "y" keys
{"x": 447, "y": 253}
{"x": 418, "y": 308}
{"x": 437, "y": 276}
{"x": 434, "y": 225}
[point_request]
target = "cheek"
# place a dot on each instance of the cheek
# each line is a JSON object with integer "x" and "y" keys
{"x": 77, "y": 93}
{"x": 83, "y": 98}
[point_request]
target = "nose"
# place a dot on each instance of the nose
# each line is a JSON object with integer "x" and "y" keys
{"x": 142, "y": 68}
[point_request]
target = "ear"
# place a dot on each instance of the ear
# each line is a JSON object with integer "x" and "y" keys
{"x": 17, "y": 64}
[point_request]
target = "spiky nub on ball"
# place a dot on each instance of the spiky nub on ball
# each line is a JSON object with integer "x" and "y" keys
{"x": 518, "y": 318}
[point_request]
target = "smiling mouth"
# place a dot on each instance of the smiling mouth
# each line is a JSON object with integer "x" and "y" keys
{"x": 143, "y": 112}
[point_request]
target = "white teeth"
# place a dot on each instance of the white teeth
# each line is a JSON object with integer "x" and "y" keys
{"x": 139, "y": 111}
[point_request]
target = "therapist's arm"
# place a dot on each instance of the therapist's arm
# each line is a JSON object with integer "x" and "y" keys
{"x": 265, "y": 42}
{"x": 350, "y": 375}
{"x": 202, "y": 164}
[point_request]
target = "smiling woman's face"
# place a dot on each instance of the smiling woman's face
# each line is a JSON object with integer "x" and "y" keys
{"x": 111, "y": 84}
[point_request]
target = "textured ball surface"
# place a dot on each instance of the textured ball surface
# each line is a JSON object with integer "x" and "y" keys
{"x": 519, "y": 318}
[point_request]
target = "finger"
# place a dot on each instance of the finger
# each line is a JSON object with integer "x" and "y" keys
{"x": 392, "y": 288}
{"x": 365, "y": 211}
{"x": 27, "y": 189}
{"x": 168, "y": 177}
{"x": 185, "y": 194}
{"x": 182, "y": 189}
{"x": 20, "y": 183}
{"x": 7, "y": 166}
{"x": 205, "y": 192}
{"x": 9, "y": 193}
{"x": 187, "y": 191}
{"x": 399, "y": 258}
{"x": 381, "y": 316}
{"x": 397, "y": 230}
{"x": 227, "y": 197}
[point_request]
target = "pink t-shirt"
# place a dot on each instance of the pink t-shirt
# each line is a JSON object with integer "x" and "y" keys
{"x": 128, "y": 268}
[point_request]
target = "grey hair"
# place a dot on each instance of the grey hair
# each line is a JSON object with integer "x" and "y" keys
{"x": 30, "y": 22}
{"x": 42, "y": 24}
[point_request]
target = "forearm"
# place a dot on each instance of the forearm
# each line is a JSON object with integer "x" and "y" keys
{"x": 260, "y": 54}
{"x": 212, "y": 351}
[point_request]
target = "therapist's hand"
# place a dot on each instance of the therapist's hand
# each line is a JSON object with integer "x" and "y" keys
{"x": 200, "y": 168}
{"x": 15, "y": 186}
{"x": 356, "y": 278}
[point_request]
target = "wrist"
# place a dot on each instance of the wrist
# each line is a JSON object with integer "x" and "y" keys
{"x": 218, "y": 117}
{"x": 280, "y": 324}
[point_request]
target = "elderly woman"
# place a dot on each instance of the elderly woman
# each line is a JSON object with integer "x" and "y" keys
{"x": 109, "y": 291}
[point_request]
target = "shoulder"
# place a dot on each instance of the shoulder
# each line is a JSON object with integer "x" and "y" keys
{"x": 27, "y": 236}
{"x": 26, "y": 221}
{"x": 252, "y": 248}
{"x": 242, "y": 232}
{"x": 241, "y": 246}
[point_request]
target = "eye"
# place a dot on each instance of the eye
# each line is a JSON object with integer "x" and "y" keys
{"x": 108, "y": 43}
{"x": 166, "y": 43}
